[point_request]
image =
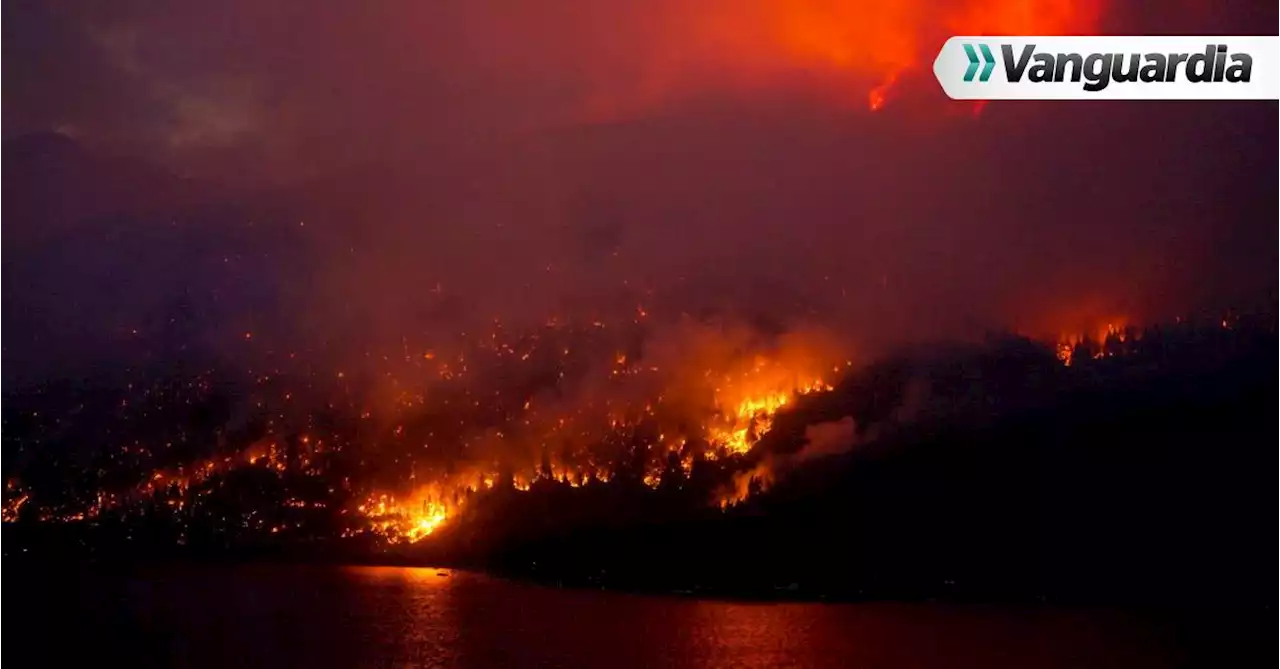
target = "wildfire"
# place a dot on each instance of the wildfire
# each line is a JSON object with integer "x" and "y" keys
{"x": 715, "y": 387}
{"x": 758, "y": 478}
{"x": 444, "y": 423}
{"x": 14, "y": 500}
{"x": 431, "y": 518}
{"x": 1064, "y": 351}
{"x": 407, "y": 521}
{"x": 752, "y": 419}
{"x": 566, "y": 407}
{"x": 747, "y": 409}
{"x": 1105, "y": 341}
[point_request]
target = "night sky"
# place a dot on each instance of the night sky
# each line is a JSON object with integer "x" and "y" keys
{"x": 351, "y": 174}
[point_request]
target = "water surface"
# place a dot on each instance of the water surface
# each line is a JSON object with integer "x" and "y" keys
{"x": 307, "y": 616}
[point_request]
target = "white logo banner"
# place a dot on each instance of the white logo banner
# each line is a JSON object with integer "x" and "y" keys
{"x": 1110, "y": 68}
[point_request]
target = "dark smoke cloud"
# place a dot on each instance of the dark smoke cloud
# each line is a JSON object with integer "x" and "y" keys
{"x": 830, "y": 438}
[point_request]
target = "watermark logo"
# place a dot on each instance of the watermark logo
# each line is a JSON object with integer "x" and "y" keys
{"x": 988, "y": 62}
{"x": 1114, "y": 68}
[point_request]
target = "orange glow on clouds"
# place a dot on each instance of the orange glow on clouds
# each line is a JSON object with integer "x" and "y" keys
{"x": 858, "y": 50}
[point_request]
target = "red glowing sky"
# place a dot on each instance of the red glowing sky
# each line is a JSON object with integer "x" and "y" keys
{"x": 857, "y": 49}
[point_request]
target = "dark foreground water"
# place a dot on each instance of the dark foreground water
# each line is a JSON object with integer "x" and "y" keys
{"x": 291, "y": 616}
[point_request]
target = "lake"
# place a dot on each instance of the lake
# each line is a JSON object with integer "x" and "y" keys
{"x": 312, "y": 616}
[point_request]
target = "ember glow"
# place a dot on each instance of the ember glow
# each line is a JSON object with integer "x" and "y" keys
{"x": 14, "y": 499}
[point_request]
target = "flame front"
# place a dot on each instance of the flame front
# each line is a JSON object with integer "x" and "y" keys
{"x": 746, "y": 422}
{"x": 709, "y": 399}
{"x": 397, "y": 522}
{"x": 1104, "y": 341}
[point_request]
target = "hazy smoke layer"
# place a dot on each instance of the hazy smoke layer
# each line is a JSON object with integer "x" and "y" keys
{"x": 372, "y": 178}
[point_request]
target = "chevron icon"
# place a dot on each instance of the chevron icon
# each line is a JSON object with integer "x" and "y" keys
{"x": 987, "y": 58}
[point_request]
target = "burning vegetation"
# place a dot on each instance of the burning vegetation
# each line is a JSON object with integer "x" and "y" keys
{"x": 401, "y": 447}
{"x": 696, "y": 394}
{"x": 413, "y": 444}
